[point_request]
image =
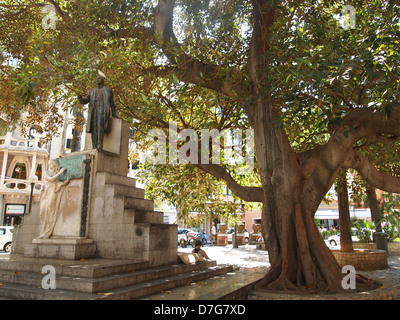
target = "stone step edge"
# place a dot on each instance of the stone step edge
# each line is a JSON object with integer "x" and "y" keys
{"x": 20, "y": 291}
{"x": 109, "y": 282}
{"x": 142, "y": 290}
{"x": 83, "y": 268}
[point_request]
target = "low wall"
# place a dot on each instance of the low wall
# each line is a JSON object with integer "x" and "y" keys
{"x": 387, "y": 291}
{"x": 394, "y": 247}
{"x": 362, "y": 259}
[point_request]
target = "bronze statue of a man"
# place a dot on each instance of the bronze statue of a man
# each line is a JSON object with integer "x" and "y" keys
{"x": 101, "y": 106}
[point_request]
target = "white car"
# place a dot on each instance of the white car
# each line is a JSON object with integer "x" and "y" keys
{"x": 6, "y": 234}
{"x": 335, "y": 240}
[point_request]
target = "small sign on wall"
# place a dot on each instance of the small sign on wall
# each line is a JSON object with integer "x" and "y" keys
{"x": 15, "y": 210}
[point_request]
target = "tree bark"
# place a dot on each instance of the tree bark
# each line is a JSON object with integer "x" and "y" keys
{"x": 374, "y": 206}
{"x": 77, "y": 133}
{"x": 346, "y": 244}
{"x": 300, "y": 260}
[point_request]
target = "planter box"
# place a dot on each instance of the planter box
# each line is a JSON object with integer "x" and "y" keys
{"x": 362, "y": 259}
{"x": 394, "y": 247}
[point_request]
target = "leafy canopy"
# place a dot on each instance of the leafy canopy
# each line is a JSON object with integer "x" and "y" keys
{"x": 317, "y": 72}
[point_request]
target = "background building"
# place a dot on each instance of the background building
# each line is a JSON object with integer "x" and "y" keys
{"x": 22, "y": 163}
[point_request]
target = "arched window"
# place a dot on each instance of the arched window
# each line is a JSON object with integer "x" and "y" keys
{"x": 39, "y": 172}
{"x": 19, "y": 171}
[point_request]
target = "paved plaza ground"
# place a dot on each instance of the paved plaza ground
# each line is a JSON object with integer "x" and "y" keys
{"x": 252, "y": 264}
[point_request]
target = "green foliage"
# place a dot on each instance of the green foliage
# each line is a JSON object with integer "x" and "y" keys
{"x": 364, "y": 229}
{"x": 190, "y": 190}
{"x": 390, "y": 215}
{"x": 316, "y": 72}
{"x": 3, "y": 128}
{"x": 323, "y": 70}
{"x": 391, "y": 225}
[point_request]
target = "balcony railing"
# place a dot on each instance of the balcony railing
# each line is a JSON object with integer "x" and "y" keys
{"x": 34, "y": 144}
{"x": 21, "y": 185}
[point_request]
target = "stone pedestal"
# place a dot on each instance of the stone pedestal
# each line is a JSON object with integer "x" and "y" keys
{"x": 102, "y": 213}
{"x": 241, "y": 239}
{"x": 62, "y": 248}
{"x": 222, "y": 239}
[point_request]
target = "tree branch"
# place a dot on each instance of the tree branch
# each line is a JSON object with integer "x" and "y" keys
{"x": 192, "y": 70}
{"x": 264, "y": 15}
{"x": 249, "y": 194}
{"x": 323, "y": 163}
{"x": 370, "y": 174}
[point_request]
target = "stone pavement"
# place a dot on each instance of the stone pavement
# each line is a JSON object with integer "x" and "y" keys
{"x": 392, "y": 273}
{"x": 252, "y": 265}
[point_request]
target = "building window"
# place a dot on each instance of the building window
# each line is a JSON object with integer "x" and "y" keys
{"x": 19, "y": 171}
{"x": 39, "y": 172}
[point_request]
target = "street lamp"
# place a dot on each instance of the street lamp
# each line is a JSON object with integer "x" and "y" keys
{"x": 32, "y": 179}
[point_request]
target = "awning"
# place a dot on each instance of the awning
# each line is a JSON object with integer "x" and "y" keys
{"x": 331, "y": 214}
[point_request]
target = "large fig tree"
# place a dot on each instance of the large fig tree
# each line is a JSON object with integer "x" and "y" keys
{"x": 315, "y": 80}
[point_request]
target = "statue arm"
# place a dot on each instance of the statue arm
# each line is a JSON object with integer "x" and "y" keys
{"x": 55, "y": 177}
{"x": 84, "y": 100}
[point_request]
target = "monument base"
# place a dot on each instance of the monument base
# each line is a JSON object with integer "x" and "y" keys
{"x": 102, "y": 214}
{"x": 61, "y": 248}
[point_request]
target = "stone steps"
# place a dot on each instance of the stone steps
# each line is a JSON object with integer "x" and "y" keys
{"x": 82, "y": 285}
{"x": 92, "y": 285}
{"x": 141, "y": 216}
{"x": 138, "y": 204}
{"x": 91, "y": 268}
{"x": 103, "y": 178}
{"x": 142, "y": 290}
{"x": 126, "y": 191}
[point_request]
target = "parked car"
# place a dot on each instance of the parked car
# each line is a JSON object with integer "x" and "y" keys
{"x": 6, "y": 234}
{"x": 230, "y": 232}
{"x": 335, "y": 240}
{"x": 185, "y": 235}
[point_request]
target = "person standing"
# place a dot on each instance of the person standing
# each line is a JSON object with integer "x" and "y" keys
{"x": 213, "y": 234}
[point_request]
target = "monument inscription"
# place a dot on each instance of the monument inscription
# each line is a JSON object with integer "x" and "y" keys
{"x": 74, "y": 166}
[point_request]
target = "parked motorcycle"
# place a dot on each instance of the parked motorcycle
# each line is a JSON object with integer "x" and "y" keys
{"x": 187, "y": 239}
{"x": 183, "y": 242}
{"x": 200, "y": 236}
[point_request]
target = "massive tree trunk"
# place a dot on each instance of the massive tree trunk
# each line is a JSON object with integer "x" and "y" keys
{"x": 300, "y": 260}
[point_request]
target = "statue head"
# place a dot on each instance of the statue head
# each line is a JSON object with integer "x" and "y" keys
{"x": 100, "y": 80}
{"x": 53, "y": 166}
